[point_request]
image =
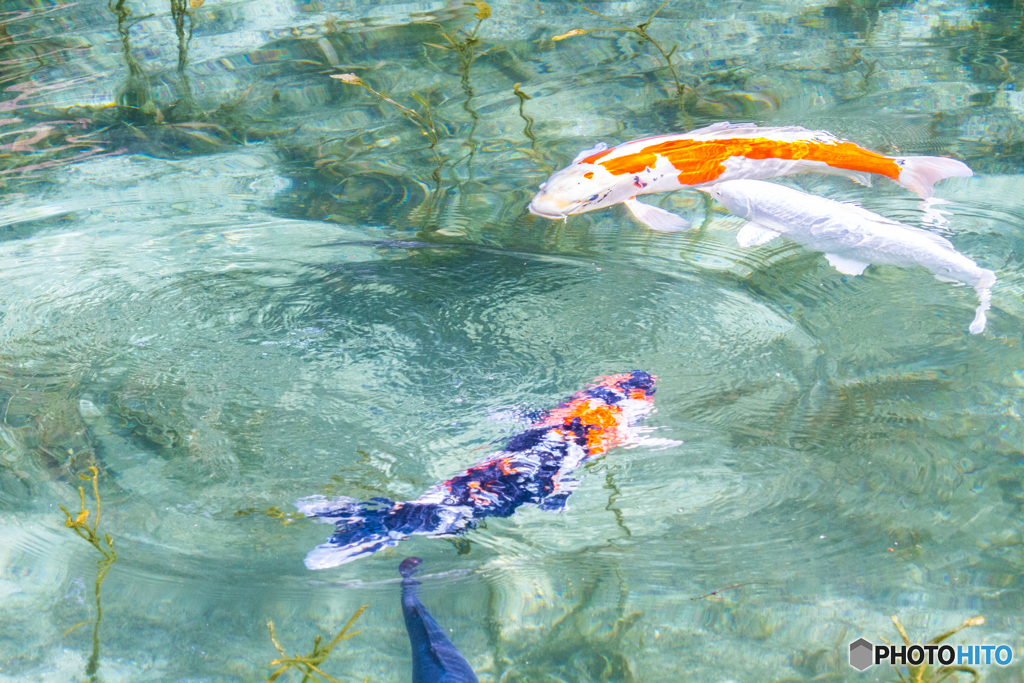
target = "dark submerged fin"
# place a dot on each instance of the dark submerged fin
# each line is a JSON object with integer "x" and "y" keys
{"x": 434, "y": 658}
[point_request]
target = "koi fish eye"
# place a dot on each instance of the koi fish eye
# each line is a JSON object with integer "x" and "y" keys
{"x": 593, "y": 199}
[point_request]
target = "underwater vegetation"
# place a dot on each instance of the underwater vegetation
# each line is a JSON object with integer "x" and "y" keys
{"x": 41, "y": 138}
{"x": 45, "y": 427}
{"x": 105, "y": 547}
{"x": 133, "y": 101}
{"x": 467, "y": 48}
{"x": 640, "y": 31}
{"x": 464, "y": 44}
{"x": 587, "y": 643}
{"x": 309, "y": 664}
{"x": 716, "y": 92}
{"x": 424, "y": 121}
{"x": 924, "y": 673}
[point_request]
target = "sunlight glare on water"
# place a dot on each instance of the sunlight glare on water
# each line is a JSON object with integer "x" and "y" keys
{"x": 241, "y": 283}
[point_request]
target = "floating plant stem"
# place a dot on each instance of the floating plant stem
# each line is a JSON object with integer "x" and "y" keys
{"x": 610, "y": 485}
{"x": 80, "y": 525}
{"x": 465, "y": 48}
{"x": 640, "y": 30}
{"x": 722, "y": 590}
{"x": 123, "y": 13}
{"x": 133, "y": 96}
{"x": 186, "y": 107}
{"x": 483, "y": 11}
{"x": 528, "y": 130}
{"x": 178, "y": 14}
{"x": 309, "y": 665}
{"x": 424, "y": 121}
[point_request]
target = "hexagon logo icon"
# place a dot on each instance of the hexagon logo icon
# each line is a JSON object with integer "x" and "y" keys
{"x": 861, "y": 654}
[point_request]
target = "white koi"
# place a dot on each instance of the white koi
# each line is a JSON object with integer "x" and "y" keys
{"x": 601, "y": 176}
{"x": 850, "y": 236}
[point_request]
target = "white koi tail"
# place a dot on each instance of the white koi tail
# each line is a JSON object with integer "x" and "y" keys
{"x": 919, "y": 174}
{"x": 985, "y": 295}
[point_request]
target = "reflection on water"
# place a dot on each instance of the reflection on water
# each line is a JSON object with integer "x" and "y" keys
{"x": 281, "y": 288}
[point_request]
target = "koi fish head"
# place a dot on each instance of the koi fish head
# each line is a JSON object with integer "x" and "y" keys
{"x": 581, "y": 187}
{"x": 732, "y": 196}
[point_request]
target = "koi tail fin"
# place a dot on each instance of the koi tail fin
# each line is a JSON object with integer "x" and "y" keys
{"x": 363, "y": 528}
{"x": 985, "y": 295}
{"x": 919, "y": 174}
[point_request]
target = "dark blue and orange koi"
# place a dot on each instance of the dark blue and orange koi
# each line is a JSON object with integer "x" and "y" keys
{"x": 434, "y": 658}
{"x": 534, "y": 468}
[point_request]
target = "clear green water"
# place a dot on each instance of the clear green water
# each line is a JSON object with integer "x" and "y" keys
{"x": 292, "y": 299}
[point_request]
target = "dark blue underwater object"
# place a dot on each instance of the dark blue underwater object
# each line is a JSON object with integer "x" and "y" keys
{"x": 434, "y": 658}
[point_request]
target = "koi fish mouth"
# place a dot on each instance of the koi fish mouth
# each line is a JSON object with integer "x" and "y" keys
{"x": 548, "y": 206}
{"x": 537, "y": 211}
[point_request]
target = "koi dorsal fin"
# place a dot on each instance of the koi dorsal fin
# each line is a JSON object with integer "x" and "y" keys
{"x": 724, "y": 129}
{"x": 716, "y": 127}
{"x": 599, "y": 147}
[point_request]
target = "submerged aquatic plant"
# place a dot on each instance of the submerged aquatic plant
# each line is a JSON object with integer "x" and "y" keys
{"x": 309, "y": 665}
{"x": 80, "y": 525}
{"x": 274, "y": 513}
{"x": 464, "y": 45}
{"x": 185, "y": 108}
{"x": 923, "y": 673}
{"x": 528, "y": 130}
{"x": 424, "y": 121}
{"x": 133, "y": 96}
{"x": 575, "y": 647}
{"x": 640, "y": 31}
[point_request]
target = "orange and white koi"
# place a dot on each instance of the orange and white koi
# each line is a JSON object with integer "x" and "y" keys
{"x": 534, "y": 468}
{"x": 601, "y": 176}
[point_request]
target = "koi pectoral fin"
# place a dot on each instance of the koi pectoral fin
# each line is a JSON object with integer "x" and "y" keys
{"x": 752, "y": 234}
{"x": 558, "y": 500}
{"x": 859, "y": 177}
{"x": 655, "y": 218}
{"x": 847, "y": 266}
{"x": 331, "y": 554}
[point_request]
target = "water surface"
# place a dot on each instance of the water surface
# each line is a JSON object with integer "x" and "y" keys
{"x": 244, "y": 283}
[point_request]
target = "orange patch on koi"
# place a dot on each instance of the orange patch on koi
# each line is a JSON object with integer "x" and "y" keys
{"x": 503, "y": 465}
{"x": 594, "y": 157}
{"x": 600, "y": 420}
{"x": 588, "y": 175}
{"x": 701, "y": 161}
